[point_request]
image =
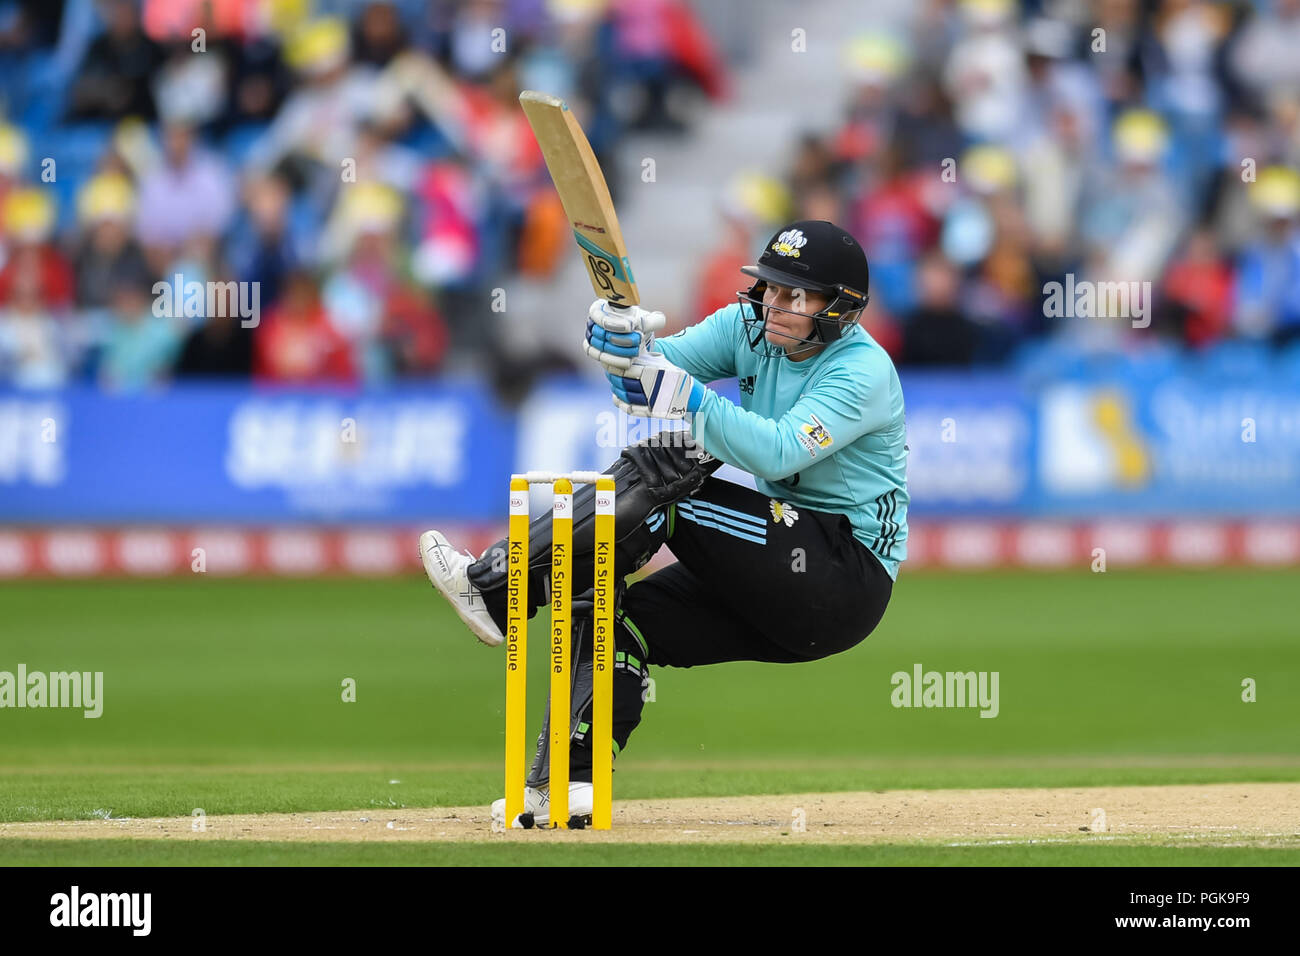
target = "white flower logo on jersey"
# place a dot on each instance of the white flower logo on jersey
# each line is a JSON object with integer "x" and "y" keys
{"x": 789, "y": 243}
{"x": 783, "y": 512}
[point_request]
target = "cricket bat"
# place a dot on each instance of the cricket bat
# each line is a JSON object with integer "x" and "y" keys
{"x": 584, "y": 195}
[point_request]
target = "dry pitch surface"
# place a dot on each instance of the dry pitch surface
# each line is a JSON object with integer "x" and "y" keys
{"x": 1256, "y": 814}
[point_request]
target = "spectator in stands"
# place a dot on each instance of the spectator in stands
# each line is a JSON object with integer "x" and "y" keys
{"x": 937, "y": 331}
{"x": 452, "y": 208}
{"x": 30, "y": 252}
{"x": 985, "y": 73}
{"x": 296, "y": 344}
{"x": 259, "y": 81}
{"x": 498, "y": 138}
{"x": 413, "y": 332}
{"x": 1197, "y": 294}
{"x": 1263, "y": 55}
{"x": 893, "y": 220}
{"x": 924, "y": 121}
{"x": 37, "y": 347}
{"x": 935, "y": 29}
{"x": 220, "y": 348}
{"x": 391, "y": 326}
{"x": 814, "y": 164}
{"x": 315, "y": 131}
{"x": 659, "y": 46}
{"x": 1133, "y": 216}
{"x": 186, "y": 202}
{"x": 1055, "y": 165}
{"x": 378, "y": 34}
{"x": 31, "y": 24}
{"x": 114, "y": 80}
{"x": 1284, "y": 120}
{"x": 1180, "y": 63}
{"x": 1268, "y": 271}
{"x": 382, "y": 160}
{"x": 985, "y": 232}
{"x": 264, "y": 244}
{"x": 1056, "y": 81}
{"x": 1117, "y": 64}
{"x": 105, "y": 247}
{"x": 195, "y": 86}
{"x": 469, "y": 44}
{"x": 14, "y": 153}
{"x": 137, "y": 347}
{"x": 363, "y": 236}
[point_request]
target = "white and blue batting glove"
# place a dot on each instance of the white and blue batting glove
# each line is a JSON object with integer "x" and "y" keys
{"x": 617, "y": 335}
{"x": 653, "y": 387}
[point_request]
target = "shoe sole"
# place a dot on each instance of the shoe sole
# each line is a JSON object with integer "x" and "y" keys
{"x": 490, "y": 638}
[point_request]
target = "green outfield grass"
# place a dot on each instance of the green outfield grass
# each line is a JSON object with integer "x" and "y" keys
{"x": 252, "y": 853}
{"x": 226, "y": 695}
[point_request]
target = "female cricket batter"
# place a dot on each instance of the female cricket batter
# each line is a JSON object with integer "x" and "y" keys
{"x": 797, "y": 570}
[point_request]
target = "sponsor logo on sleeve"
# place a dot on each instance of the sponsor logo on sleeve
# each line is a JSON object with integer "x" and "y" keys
{"x": 814, "y": 435}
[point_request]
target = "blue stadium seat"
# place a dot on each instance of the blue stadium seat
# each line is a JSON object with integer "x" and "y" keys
{"x": 76, "y": 150}
{"x": 239, "y": 140}
{"x": 428, "y": 141}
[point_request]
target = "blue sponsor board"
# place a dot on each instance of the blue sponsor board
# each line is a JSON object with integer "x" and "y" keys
{"x": 970, "y": 445}
{"x": 1169, "y": 447}
{"x": 1078, "y": 446}
{"x": 231, "y": 453}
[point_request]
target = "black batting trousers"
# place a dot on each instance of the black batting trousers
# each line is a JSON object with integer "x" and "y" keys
{"x": 756, "y": 579}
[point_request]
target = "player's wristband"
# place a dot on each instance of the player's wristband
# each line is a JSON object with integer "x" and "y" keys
{"x": 696, "y": 399}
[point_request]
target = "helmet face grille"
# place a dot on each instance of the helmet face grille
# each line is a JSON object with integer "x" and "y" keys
{"x": 754, "y": 314}
{"x": 755, "y": 327}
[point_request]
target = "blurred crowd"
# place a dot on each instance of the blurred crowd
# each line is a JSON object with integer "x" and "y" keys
{"x": 993, "y": 148}
{"x": 357, "y": 174}
{"x": 362, "y": 166}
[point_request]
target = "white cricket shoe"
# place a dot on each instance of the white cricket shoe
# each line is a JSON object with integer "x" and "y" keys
{"x": 537, "y": 801}
{"x": 446, "y": 569}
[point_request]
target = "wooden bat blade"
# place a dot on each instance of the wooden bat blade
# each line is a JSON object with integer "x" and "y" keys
{"x": 584, "y": 195}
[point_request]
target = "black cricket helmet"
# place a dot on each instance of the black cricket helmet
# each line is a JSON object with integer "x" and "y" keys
{"x": 816, "y": 256}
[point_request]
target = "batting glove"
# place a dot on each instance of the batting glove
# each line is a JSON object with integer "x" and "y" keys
{"x": 617, "y": 335}
{"x": 653, "y": 387}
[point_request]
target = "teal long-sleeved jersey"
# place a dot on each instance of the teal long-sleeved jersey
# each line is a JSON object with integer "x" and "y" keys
{"x": 826, "y": 433}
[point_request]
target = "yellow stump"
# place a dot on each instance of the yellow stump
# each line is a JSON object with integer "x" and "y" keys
{"x": 561, "y": 609}
{"x": 602, "y": 722}
{"x": 516, "y": 649}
